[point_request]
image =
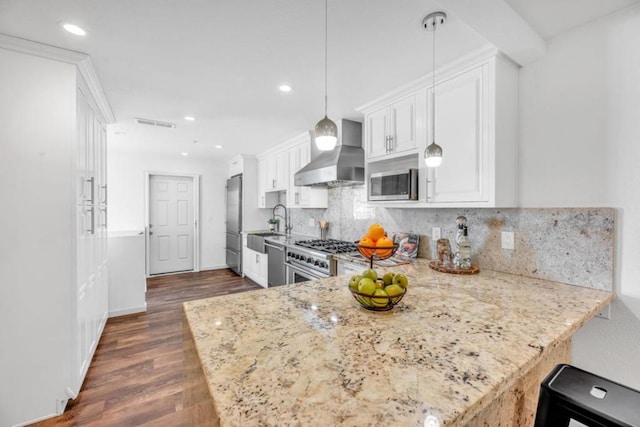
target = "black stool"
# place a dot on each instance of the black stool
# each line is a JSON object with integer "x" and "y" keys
{"x": 571, "y": 393}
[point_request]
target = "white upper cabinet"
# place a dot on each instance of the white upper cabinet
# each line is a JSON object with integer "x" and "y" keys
{"x": 303, "y": 197}
{"x": 265, "y": 199}
{"x": 277, "y": 165}
{"x": 475, "y": 124}
{"x": 391, "y": 130}
{"x": 461, "y": 129}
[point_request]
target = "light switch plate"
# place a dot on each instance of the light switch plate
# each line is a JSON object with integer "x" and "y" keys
{"x": 508, "y": 240}
{"x": 436, "y": 233}
{"x": 312, "y": 222}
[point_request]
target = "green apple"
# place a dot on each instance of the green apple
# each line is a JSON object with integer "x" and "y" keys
{"x": 380, "y": 302}
{"x": 370, "y": 273}
{"x": 394, "y": 291}
{"x": 387, "y": 279}
{"x": 366, "y": 286}
{"x": 353, "y": 282}
{"x": 401, "y": 279}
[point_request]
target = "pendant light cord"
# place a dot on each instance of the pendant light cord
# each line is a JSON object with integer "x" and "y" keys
{"x": 433, "y": 80}
{"x": 325, "y": 56}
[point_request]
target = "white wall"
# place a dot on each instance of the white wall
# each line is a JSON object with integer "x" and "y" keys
{"x": 580, "y": 146}
{"x": 126, "y": 171}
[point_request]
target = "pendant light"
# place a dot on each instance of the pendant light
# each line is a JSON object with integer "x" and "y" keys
{"x": 433, "y": 153}
{"x": 326, "y": 130}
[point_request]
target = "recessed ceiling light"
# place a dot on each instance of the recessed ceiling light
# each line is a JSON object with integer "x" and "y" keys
{"x": 195, "y": 141}
{"x": 285, "y": 88}
{"x": 184, "y": 154}
{"x": 189, "y": 118}
{"x": 218, "y": 146}
{"x": 73, "y": 29}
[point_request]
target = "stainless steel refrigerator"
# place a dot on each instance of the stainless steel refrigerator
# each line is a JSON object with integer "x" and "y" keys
{"x": 234, "y": 223}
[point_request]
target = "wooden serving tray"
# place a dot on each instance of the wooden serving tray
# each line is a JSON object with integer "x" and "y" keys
{"x": 451, "y": 270}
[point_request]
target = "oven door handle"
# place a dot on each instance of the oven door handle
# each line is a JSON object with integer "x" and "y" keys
{"x": 306, "y": 271}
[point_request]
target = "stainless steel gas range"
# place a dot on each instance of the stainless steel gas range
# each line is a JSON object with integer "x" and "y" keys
{"x": 312, "y": 259}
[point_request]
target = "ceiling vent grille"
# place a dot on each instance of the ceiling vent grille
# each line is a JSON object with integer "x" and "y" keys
{"x": 157, "y": 123}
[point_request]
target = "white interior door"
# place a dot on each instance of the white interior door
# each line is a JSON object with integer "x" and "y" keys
{"x": 171, "y": 224}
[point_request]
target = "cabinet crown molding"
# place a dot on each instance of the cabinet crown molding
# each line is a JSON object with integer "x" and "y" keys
{"x": 443, "y": 72}
{"x": 81, "y": 60}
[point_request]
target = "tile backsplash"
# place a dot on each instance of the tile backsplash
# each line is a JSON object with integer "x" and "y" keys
{"x": 568, "y": 245}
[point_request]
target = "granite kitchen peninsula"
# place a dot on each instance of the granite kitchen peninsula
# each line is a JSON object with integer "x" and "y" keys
{"x": 462, "y": 349}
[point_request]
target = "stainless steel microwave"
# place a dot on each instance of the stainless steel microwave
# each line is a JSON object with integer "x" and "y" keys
{"x": 394, "y": 185}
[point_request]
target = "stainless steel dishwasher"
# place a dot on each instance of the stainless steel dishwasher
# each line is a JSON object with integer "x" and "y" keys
{"x": 276, "y": 252}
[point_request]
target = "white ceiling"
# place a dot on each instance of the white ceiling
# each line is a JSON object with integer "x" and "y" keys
{"x": 222, "y": 61}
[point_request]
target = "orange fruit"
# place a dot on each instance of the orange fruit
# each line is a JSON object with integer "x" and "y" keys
{"x": 366, "y": 241}
{"x": 384, "y": 242}
{"x": 375, "y": 232}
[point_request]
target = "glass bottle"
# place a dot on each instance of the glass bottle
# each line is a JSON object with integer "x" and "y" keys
{"x": 464, "y": 251}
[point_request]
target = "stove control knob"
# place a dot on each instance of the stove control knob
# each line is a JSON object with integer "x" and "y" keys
{"x": 323, "y": 265}
{"x": 303, "y": 258}
{"x": 310, "y": 260}
{"x": 318, "y": 263}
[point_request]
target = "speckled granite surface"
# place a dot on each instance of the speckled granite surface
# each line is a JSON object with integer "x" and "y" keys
{"x": 308, "y": 354}
{"x": 568, "y": 245}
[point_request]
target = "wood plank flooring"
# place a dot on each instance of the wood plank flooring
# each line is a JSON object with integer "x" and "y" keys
{"x": 136, "y": 376}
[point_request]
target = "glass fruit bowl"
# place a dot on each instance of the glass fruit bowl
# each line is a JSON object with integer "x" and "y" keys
{"x": 378, "y": 302}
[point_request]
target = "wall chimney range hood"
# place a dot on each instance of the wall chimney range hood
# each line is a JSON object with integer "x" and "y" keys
{"x": 343, "y": 166}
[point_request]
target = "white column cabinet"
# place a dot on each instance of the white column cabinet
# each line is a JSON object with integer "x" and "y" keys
{"x": 392, "y": 130}
{"x": 57, "y": 301}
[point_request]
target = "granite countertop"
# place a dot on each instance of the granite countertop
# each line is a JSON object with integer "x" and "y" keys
{"x": 308, "y": 354}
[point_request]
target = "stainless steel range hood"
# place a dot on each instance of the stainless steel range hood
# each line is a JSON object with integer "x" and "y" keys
{"x": 340, "y": 167}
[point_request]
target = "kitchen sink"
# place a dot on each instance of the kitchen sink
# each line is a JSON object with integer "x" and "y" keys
{"x": 255, "y": 241}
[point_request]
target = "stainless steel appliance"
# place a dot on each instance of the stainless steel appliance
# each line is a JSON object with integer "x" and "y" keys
{"x": 312, "y": 259}
{"x": 394, "y": 185}
{"x": 342, "y": 166}
{"x": 234, "y": 224}
{"x": 277, "y": 271}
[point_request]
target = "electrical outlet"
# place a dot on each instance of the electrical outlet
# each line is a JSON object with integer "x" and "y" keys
{"x": 508, "y": 240}
{"x": 436, "y": 233}
{"x": 312, "y": 222}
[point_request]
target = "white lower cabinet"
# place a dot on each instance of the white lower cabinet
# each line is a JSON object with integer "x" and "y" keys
{"x": 255, "y": 265}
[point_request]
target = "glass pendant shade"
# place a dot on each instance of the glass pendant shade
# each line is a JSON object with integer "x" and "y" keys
{"x": 326, "y": 134}
{"x": 433, "y": 155}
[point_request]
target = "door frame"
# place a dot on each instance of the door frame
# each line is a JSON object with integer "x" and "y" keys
{"x": 196, "y": 217}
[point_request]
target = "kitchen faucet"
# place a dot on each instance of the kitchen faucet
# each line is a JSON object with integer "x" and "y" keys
{"x": 287, "y": 225}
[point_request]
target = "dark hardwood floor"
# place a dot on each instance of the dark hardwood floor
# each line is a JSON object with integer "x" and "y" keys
{"x": 136, "y": 377}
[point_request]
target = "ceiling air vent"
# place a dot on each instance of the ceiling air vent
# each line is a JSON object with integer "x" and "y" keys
{"x": 157, "y": 123}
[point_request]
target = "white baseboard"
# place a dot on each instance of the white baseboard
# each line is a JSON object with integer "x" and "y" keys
{"x": 125, "y": 311}
{"x": 219, "y": 267}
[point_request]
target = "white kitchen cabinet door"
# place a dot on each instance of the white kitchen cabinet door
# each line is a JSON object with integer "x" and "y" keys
{"x": 378, "y": 133}
{"x": 476, "y": 126}
{"x": 402, "y": 116}
{"x": 391, "y": 130}
{"x": 255, "y": 266}
{"x": 266, "y": 199}
{"x": 303, "y": 196}
{"x": 461, "y": 131}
